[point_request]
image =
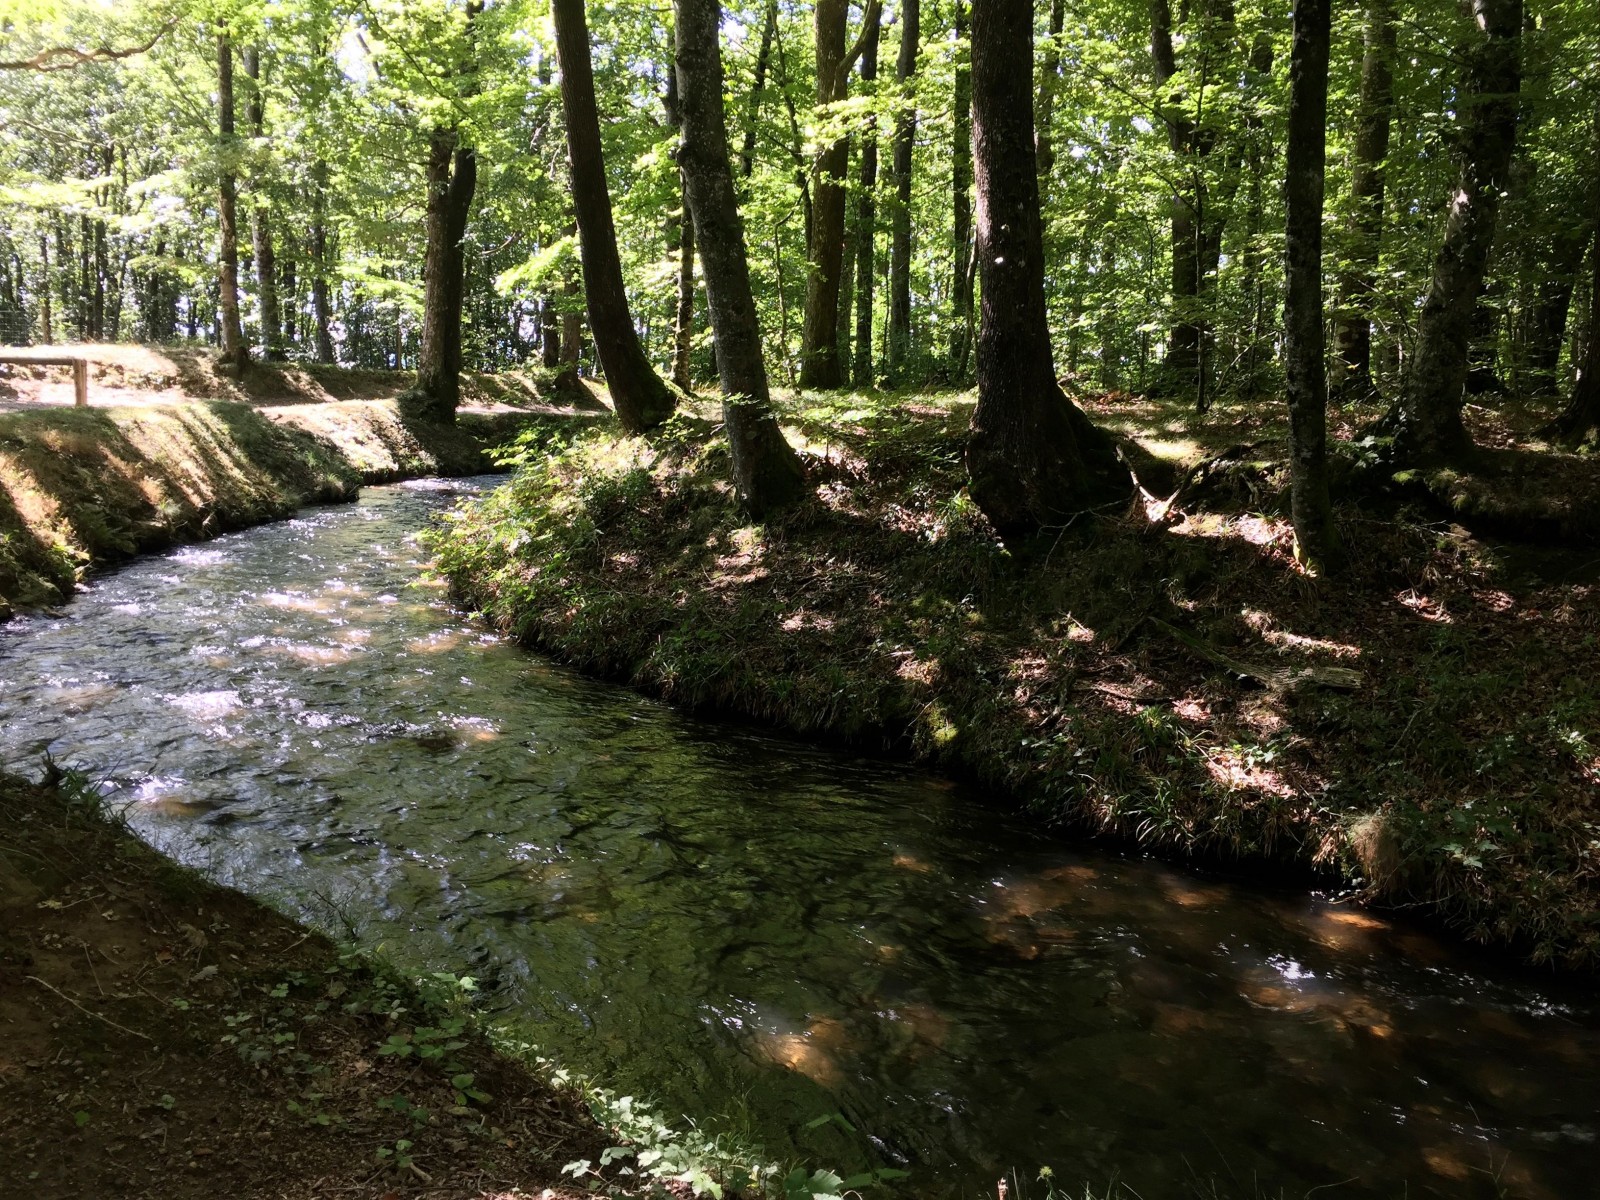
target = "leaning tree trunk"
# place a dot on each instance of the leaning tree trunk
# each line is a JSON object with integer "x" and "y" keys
{"x": 234, "y": 351}
{"x": 1033, "y": 458}
{"x": 261, "y": 224}
{"x": 866, "y": 220}
{"x": 641, "y": 398}
{"x": 452, "y": 179}
{"x": 1304, "y": 349}
{"x": 1427, "y": 418}
{"x": 905, "y": 136}
{"x": 1352, "y": 330}
{"x": 766, "y": 471}
{"x": 961, "y": 204}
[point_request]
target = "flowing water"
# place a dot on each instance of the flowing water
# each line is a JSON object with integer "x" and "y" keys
{"x": 745, "y": 927}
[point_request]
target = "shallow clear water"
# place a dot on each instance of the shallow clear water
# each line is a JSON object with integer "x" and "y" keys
{"x": 747, "y": 927}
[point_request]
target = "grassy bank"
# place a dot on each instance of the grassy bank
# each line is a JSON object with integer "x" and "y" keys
{"x": 83, "y": 487}
{"x": 1415, "y": 728}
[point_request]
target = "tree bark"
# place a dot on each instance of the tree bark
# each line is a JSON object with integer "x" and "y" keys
{"x": 452, "y": 178}
{"x": 1352, "y": 330}
{"x": 905, "y": 134}
{"x": 683, "y": 325}
{"x": 767, "y": 473}
{"x": 819, "y": 335}
{"x": 1304, "y": 349}
{"x": 1049, "y": 77}
{"x": 1427, "y": 418}
{"x": 867, "y": 220}
{"x": 1579, "y": 423}
{"x": 1032, "y": 456}
{"x": 321, "y": 308}
{"x": 961, "y": 203}
{"x": 752, "y": 115}
{"x": 261, "y": 224}
{"x": 641, "y": 398}
{"x": 235, "y": 353}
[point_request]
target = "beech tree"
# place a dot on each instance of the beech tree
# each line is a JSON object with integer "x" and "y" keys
{"x": 235, "y": 353}
{"x": 905, "y": 135}
{"x": 766, "y": 471}
{"x": 1427, "y": 417}
{"x": 641, "y": 399}
{"x": 1033, "y": 457}
{"x": 1303, "y": 329}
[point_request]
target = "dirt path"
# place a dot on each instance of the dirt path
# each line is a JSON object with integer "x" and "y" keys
{"x": 163, "y": 1037}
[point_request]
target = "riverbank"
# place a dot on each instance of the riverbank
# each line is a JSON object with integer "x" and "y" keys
{"x": 165, "y": 1037}
{"x": 80, "y": 488}
{"x": 1413, "y": 731}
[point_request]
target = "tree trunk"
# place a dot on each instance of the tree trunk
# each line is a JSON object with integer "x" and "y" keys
{"x": 1544, "y": 324}
{"x": 1579, "y": 423}
{"x": 1427, "y": 418}
{"x": 819, "y": 336}
{"x": 683, "y": 326}
{"x": 46, "y": 316}
{"x": 235, "y": 354}
{"x": 1049, "y": 77}
{"x": 752, "y": 116}
{"x": 767, "y": 473}
{"x": 905, "y": 133}
{"x": 1352, "y": 330}
{"x": 1304, "y": 348}
{"x": 261, "y": 224}
{"x": 961, "y": 201}
{"x": 866, "y": 219}
{"x": 549, "y": 333}
{"x": 321, "y": 308}
{"x": 641, "y": 399}
{"x": 452, "y": 176}
{"x": 1034, "y": 459}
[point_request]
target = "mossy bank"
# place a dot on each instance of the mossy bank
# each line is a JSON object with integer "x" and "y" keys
{"x": 84, "y": 487}
{"x": 1413, "y": 730}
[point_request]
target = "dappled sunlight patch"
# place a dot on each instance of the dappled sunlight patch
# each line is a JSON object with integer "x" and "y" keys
{"x": 798, "y": 1053}
{"x": 1426, "y": 607}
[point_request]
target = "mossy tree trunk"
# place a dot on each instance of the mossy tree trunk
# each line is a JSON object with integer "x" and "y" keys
{"x": 866, "y": 238}
{"x": 641, "y": 398}
{"x": 1033, "y": 458}
{"x": 766, "y": 471}
{"x": 1427, "y": 417}
{"x": 452, "y": 178}
{"x": 1305, "y": 350}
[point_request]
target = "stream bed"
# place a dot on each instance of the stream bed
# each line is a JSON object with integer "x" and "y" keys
{"x": 758, "y": 933}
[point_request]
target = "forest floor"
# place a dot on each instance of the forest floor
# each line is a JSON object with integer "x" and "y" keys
{"x": 1422, "y": 729}
{"x": 164, "y": 1037}
{"x": 170, "y": 450}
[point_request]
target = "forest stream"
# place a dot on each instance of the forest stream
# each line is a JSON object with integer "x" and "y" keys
{"x": 848, "y": 962}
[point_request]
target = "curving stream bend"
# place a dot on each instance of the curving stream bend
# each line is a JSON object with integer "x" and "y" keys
{"x": 746, "y": 927}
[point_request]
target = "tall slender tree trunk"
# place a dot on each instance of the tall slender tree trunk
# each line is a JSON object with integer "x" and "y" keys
{"x": 962, "y": 262}
{"x": 321, "y": 306}
{"x": 1044, "y": 113}
{"x": 752, "y": 112}
{"x": 235, "y": 353}
{"x": 641, "y": 398}
{"x": 46, "y": 315}
{"x": 683, "y": 324}
{"x": 1305, "y": 350}
{"x": 905, "y": 135}
{"x": 1427, "y": 418}
{"x": 452, "y": 175}
{"x": 1352, "y": 330}
{"x": 866, "y": 238}
{"x": 1033, "y": 457}
{"x": 767, "y": 473}
{"x": 819, "y": 335}
{"x": 1579, "y": 423}
{"x": 261, "y": 223}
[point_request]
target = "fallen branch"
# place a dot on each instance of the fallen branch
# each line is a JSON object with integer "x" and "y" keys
{"x": 88, "y": 1011}
{"x": 1277, "y": 679}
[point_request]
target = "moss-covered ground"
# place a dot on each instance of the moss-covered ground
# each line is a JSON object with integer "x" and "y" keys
{"x": 1423, "y": 728}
